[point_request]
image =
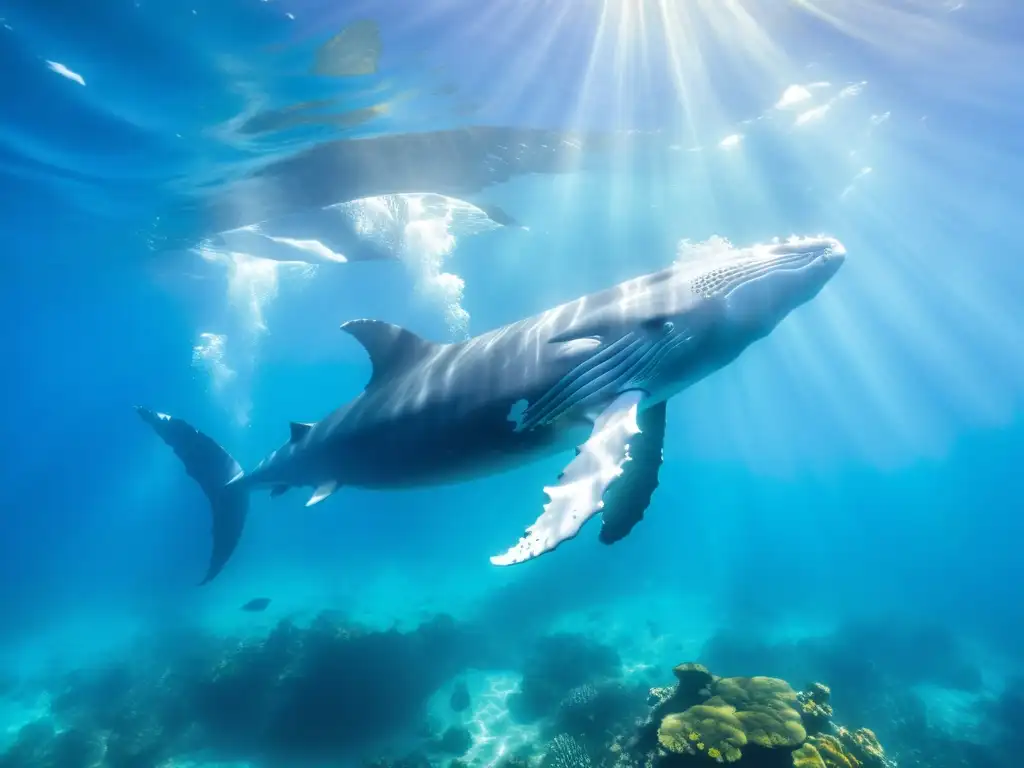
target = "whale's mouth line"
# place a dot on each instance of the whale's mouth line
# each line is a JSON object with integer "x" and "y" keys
{"x": 789, "y": 263}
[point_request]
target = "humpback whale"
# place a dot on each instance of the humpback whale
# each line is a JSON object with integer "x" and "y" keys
{"x": 592, "y": 374}
{"x": 365, "y": 229}
{"x": 461, "y": 163}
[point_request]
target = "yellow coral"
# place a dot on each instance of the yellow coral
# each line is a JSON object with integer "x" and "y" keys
{"x": 691, "y": 668}
{"x": 815, "y": 706}
{"x": 672, "y": 736}
{"x": 832, "y": 752}
{"x": 772, "y": 728}
{"x": 716, "y": 726}
{"x": 693, "y": 679}
{"x": 715, "y": 753}
{"x": 864, "y": 746}
{"x": 738, "y": 691}
{"x": 866, "y": 741}
{"x": 850, "y": 749}
{"x": 766, "y": 709}
{"x": 807, "y": 757}
{"x": 758, "y": 710}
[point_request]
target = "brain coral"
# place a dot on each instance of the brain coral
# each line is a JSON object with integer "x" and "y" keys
{"x": 715, "y": 729}
{"x": 766, "y": 706}
{"x": 742, "y": 710}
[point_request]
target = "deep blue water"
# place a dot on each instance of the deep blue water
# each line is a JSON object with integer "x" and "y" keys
{"x": 861, "y": 464}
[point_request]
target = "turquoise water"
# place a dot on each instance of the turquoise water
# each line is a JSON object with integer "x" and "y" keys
{"x": 838, "y": 504}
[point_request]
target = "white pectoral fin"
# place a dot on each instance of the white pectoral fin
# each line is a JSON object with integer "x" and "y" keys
{"x": 578, "y": 495}
{"x": 322, "y": 493}
{"x": 628, "y": 498}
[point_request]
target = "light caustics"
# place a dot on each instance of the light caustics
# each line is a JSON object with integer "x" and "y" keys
{"x": 914, "y": 307}
{"x": 495, "y": 733}
{"x": 811, "y": 78}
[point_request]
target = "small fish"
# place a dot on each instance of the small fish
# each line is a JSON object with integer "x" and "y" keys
{"x": 257, "y": 604}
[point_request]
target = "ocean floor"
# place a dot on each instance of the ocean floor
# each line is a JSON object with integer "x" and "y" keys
{"x": 396, "y": 682}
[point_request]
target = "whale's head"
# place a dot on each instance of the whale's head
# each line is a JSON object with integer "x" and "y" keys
{"x": 728, "y": 302}
{"x": 661, "y": 332}
{"x": 709, "y": 311}
{"x": 752, "y": 291}
{"x": 699, "y": 315}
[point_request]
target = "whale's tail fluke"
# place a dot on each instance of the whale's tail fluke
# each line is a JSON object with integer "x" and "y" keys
{"x": 213, "y": 468}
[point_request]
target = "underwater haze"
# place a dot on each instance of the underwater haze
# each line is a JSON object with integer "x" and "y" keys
{"x": 195, "y": 196}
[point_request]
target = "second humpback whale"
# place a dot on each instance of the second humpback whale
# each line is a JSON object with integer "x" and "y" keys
{"x": 594, "y": 373}
{"x": 461, "y": 163}
{"x": 366, "y": 229}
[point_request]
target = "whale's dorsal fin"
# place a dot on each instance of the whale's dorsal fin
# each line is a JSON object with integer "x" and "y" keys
{"x": 390, "y": 347}
{"x": 298, "y": 431}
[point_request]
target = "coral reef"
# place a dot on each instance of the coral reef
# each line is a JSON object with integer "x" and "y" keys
{"x": 556, "y": 665}
{"x": 713, "y": 729}
{"x": 332, "y": 691}
{"x": 751, "y": 721}
{"x": 578, "y": 697}
{"x": 455, "y": 740}
{"x": 849, "y": 749}
{"x": 692, "y": 679}
{"x": 565, "y": 752}
{"x": 40, "y": 745}
{"x": 740, "y": 711}
{"x": 459, "y": 701}
{"x": 883, "y": 672}
{"x": 815, "y": 707}
{"x": 807, "y": 756}
{"x": 596, "y": 714}
{"x": 766, "y": 707}
{"x": 314, "y": 692}
{"x": 576, "y": 711}
{"x": 572, "y": 689}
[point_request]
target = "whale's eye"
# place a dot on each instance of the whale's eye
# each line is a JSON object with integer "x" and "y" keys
{"x": 658, "y": 324}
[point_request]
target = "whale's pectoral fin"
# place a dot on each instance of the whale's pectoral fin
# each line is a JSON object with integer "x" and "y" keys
{"x": 628, "y": 497}
{"x": 581, "y": 487}
{"x": 322, "y": 492}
